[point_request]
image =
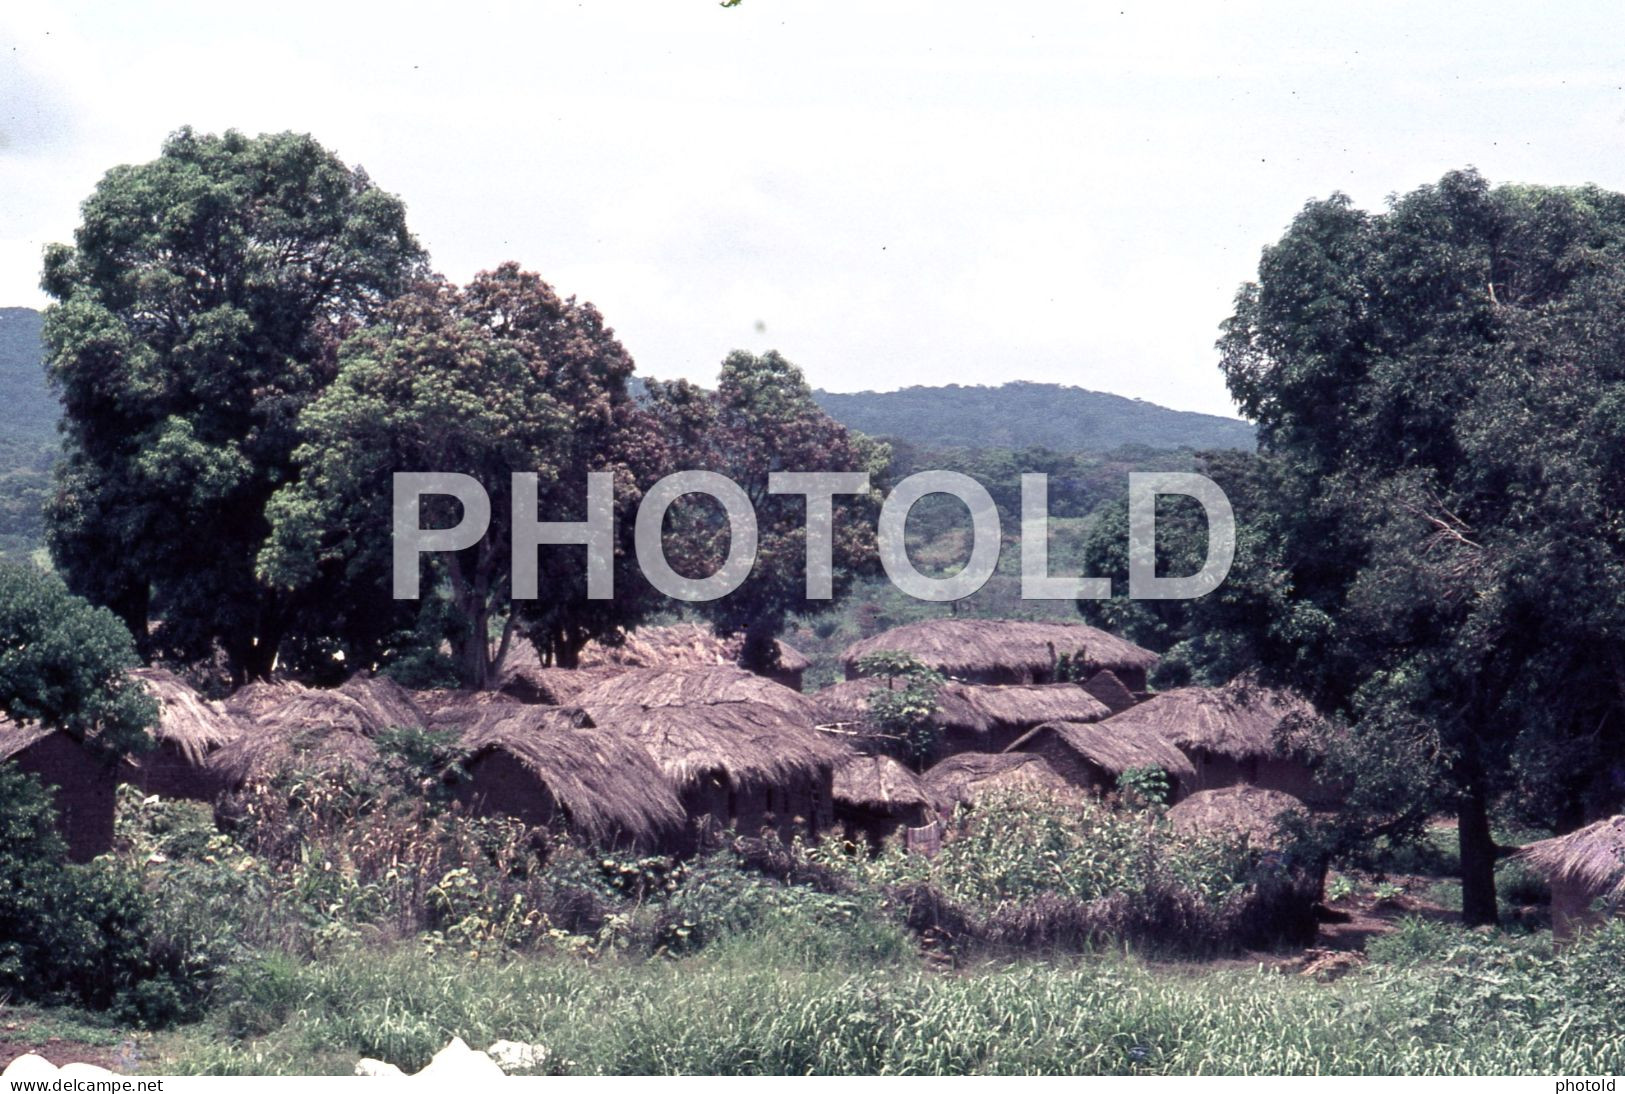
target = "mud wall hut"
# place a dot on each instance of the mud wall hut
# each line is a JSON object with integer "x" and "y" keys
{"x": 190, "y": 729}
{"x": 287, "y": 726}
{"x": 553, "y": 767}
{"x": 1232, "y": 736}
{"x": 1093, "y": 755}
{"x": 874, "y": 796}
{"x": 1586, "y": 871}
{"x": 1285, "y": 890}
{"x": 963, "y": 779}
{"x": 82, "y": 783}
{"x": 741, "y": 749}
{"x": 969, "y": 717}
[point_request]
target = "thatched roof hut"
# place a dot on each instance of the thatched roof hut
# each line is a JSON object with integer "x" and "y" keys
{"x": 878, "y": 784}
{"x": 962, "y": 779}
{"x": 742, "y": 763}
{"x": 190, "y": 728}
{"x": 82, "y": 784}
{"x": 1232, "y": 735}
{"x": 699, "y": 687}
{"x": 969, "y": 717}
{"x": 524, "y": 677}
{"x": 1582, "y": 867}
{"x": 750, "y": 743}
{"x": 1250, "y": 811}
{"x": 323, "y": 730}
{"x": 1091, "y": 755}
{"x": 1007, "y": 651}
{"x": 876, "y": 795}
{"x": 547, "y": 765}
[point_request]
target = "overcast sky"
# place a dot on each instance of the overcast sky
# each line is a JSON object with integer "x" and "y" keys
{"x": 888, "y": 193}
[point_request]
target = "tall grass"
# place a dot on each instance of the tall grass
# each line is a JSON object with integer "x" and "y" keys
{"x": 1471, "y": 1005}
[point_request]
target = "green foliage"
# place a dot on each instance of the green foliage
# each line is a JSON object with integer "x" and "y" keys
{"x": 1145, "y": 785}
{"x": 28, "y": 441}
{"x": 1464, "y": 1004}
{"x": 79, "y": 934}
{"x": 907, "y": 712}
{"x": 761, "y": 419}
{"x": 197, "y": 312}
{"x": 1423, "y": 541}
{"x": 500, "y": 377}
{"x": 63, "y": 662}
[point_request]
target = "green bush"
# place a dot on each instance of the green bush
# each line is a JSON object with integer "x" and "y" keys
{"x": 79, "y": 934}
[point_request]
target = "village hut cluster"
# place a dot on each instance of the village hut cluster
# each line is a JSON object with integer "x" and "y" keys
{"x": 662, "y": 740}
{"x": 659, "y": 739}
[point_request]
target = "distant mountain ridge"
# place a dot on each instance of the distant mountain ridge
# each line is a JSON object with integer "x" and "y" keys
{"x": 1024, "y": 415}
{"x": 1018, "y": 414}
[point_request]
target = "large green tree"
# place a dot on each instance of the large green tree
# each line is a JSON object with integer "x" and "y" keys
{"x": 198, "y": 311}
{"x": 1440, "y": 394}
{"x": 503, "y": 376}
{"x": 762, "y": 419}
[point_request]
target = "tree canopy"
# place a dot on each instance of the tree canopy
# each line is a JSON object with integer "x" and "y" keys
{"x": 63, "y": 664}
{"x": 500, "y": 377}
{"x": 1437, "y": 555}
{"x": 763, "y": 419}
{"x": 199, "y": 310}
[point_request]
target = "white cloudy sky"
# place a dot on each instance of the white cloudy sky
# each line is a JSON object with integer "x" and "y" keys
{"x": 890, "y": 193}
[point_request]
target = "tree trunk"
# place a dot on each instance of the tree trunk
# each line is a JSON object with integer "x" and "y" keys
{"x": 132, "y": 605}
{"x": 1477, "y": 858}
{"x": 760, "y": 653}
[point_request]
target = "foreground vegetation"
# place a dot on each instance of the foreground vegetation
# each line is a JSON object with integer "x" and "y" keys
{"x": 334, "y": 919}
{"x": 797, "y": 996}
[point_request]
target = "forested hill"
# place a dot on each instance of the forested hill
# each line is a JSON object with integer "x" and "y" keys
{"x": 1015, "y": 415}
{"x": 28, "y": 412}
{"x": 1026, "y": 415}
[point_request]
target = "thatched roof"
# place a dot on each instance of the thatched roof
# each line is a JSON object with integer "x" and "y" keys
{"x": 436, "y": 702}
{"x": 961, "y": 779}
{"x": 287, "y": 725}
{"x": 979, "y": 709}
{"x": 1251, "y": 811}
{"x": 970, "y": 647}
{"x": 1016, "y": 706}
{"x": 697, "y": 687}
{"x": 1592, "y": 858}
{"x": 1105, "y": 686}
{"x": 847, "y": 703}
{"x": 1239, "y": 720}
{"x": 16, "y": 736}
{"x": 1114, "y": 749}
{"x": 751, "y": 743}
{"x": 606, "y": 783}
{"x": 364, "y": 705}
{"x": 878, "y": 784}
{"x": 266, "y": 751}
{"x": 681, "y": 645}
{"x": 195, "y": 726}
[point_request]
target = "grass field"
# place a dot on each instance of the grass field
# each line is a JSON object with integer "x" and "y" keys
{"x": 1435, "y": 1000}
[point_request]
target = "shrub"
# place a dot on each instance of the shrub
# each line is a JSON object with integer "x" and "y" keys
{"x": 79, "y": 934}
